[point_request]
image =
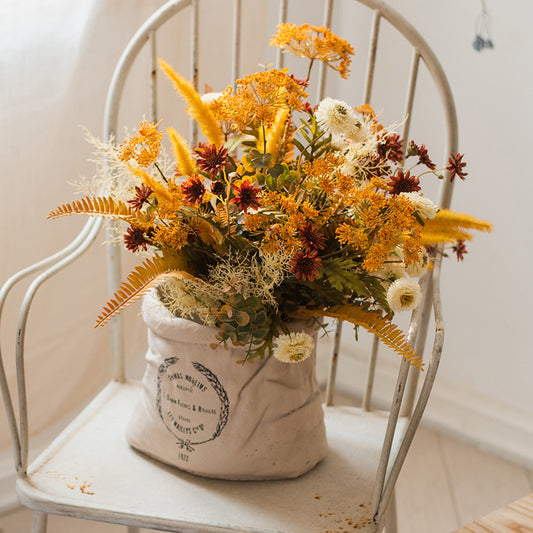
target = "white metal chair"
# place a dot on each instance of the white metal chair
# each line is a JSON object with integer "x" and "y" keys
{"x": 350, "y": 490}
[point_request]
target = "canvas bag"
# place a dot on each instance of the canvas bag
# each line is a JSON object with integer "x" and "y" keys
{"x": 203, "y": 413}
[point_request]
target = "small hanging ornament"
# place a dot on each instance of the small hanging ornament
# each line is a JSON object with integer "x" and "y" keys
{"x": 483, "y": 39}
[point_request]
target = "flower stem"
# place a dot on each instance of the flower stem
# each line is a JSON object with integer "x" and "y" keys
{"x": 160, "y": 172}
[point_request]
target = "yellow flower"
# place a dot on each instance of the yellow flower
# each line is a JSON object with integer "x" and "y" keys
{"x": 381, "y": 224}
{"x": 315, "y": 42}
{"x": 255, "y": 221}
{"x": 144, "y": 147}
{"x": 258, "y": 98}
{"x": 172, "y": 237}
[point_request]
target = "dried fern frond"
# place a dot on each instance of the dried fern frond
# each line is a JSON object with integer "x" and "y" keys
{"x": 383, "y": 328}
{"x": 222, "y": 218}
{"x": 184, "y": 161}
{"x": 198, "y": 109}
{"x": 102, "y": 206}
{"x": 139, "y": 281}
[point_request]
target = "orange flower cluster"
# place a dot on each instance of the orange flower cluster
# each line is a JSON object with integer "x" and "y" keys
{"x": 315, "y": 43}
{"x": 144, "y": 147}
{"x": 322, "y": 169}
{"x": 380, "y": 224}
{"x": 257, "y": 99}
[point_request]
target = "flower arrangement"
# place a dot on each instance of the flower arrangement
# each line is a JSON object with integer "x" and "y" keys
{"x": 284, "y": 211}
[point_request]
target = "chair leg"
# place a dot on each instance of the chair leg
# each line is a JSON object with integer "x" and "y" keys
{"x": 39, "y": 522}
{"x": 391, "y": 525}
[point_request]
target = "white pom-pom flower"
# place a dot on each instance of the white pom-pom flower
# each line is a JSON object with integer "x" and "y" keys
{"x": 404, "y": 294}
{"x": 423, "y": 205}
{"x": 338, "y": 118}
{"x": 294, "y": 347}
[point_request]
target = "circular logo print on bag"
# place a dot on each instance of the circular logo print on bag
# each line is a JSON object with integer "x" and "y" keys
{"x": 191, "y": 401}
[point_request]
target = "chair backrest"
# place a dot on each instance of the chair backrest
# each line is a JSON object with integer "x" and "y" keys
{"x": 146, "y": 38}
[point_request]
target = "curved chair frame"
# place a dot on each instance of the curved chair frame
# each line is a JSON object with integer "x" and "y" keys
{"x": 389, "y": 465}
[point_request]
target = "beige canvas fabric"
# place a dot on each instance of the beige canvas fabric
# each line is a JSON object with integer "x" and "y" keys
{"x": 202, "y": 412}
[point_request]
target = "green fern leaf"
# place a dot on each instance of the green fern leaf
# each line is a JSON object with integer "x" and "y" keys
{"x": 341, "y": 276}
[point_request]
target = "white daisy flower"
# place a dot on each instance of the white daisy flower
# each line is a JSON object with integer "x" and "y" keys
{"x": 404, "y": 294}
{"x": 294, "y": 347}
{"x": 338, "y": 118}
{"x": 423, "y": 205}
{"x": 417, "y": 268}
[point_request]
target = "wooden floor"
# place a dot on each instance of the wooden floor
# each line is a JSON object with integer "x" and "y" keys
{"x": 444, "y": 484}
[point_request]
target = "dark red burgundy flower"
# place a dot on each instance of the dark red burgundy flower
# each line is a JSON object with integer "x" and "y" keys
{"x": 211, "y": 159}
{"x": 308, "y": 109}
{"x": 142, "y": 194}
{"x": 193, "y": 190}
{"x": 403, "y": 182}
{"x": 455, "y": 166}
{"x": 311, "y": 237}
{"x": 422, "y": 153}
{"x": 218, "y": 188}
{"x": 391, "y": 148}
{"x": 305, "y": 264}
{"x": 135, "y": 239}
{"x": 460, "y": 250}
{"x": 246, "y": 196}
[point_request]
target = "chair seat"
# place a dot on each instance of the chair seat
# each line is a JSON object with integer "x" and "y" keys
{"x": 90, "y": 471}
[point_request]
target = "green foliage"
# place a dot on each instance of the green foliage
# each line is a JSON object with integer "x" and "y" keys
{"x": 317, "y": 143}
{"x": 344, "y": 275}
{"x": 244, "y": 322}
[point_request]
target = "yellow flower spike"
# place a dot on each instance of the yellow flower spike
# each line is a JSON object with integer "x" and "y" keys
{"x": 448, "y": 226}
{"x": 184, "y": 161}
{"x": 275, "y": 134}
{"x": 198, "y": 109}
{"x": 451, "y": 218}
{"x": 429, "y": 238}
